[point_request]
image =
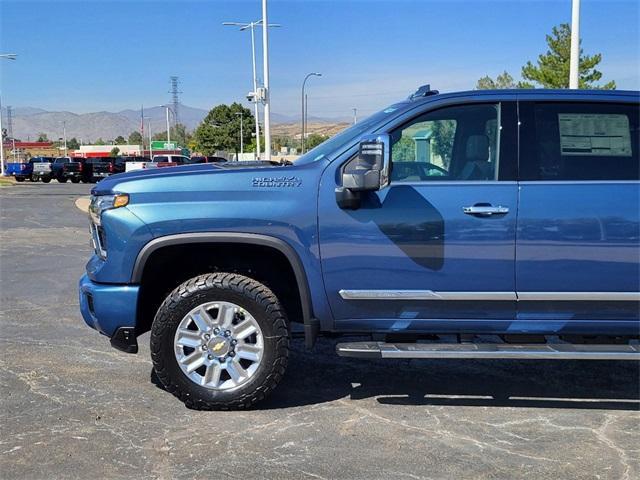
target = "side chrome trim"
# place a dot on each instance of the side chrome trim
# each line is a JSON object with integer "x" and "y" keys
{"x": 488, "y": 296}
{"x": 423, "y": 295}
{"x": 580, "y": 296}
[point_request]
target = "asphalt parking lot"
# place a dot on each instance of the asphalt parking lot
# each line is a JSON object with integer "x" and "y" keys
{"x": 73, "y": 407}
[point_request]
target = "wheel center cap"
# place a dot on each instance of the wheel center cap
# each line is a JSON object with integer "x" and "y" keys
{"x": 220, "y": 346}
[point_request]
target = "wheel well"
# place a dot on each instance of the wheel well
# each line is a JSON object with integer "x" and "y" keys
{"x": 167, "y": 267}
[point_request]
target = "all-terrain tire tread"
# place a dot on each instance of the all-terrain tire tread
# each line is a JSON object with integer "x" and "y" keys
{"x": 239, "y": 284}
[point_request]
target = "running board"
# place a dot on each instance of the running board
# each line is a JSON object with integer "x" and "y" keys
{"x": 559, "y": 351}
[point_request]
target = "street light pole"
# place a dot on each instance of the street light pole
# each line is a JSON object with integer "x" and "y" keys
{"x": 149, "y": 133}
{"x": 168, "y": 129}
{"x": 574, "y": 61}
{"x": 244, "y": 26}
{"x": 312, "y": 74}
{"x": 241, "y": 134}
{"x": 6, "y": 56}
{"x": 265, "y": 65}
{"x": 255, "y": 89}
{"x": 64, "y": 135}
{"x": 355, "y": 115}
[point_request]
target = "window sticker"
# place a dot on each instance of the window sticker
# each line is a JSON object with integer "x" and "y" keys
{"x": 593, "y": 134}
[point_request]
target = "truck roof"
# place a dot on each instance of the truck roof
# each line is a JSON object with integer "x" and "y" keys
{"x": 533, "y": 94}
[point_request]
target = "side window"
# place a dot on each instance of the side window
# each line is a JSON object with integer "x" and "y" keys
{"x": 580, "y": 141}
{"x": 453, "y": 143}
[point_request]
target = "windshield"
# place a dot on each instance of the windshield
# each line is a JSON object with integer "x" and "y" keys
{"x": 347, "y": 136}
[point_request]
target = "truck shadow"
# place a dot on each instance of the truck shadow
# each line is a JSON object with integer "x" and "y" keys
{"x": 321, "y": 376}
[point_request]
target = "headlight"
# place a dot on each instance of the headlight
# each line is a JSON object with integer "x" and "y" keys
{"x": 102, "y": 203}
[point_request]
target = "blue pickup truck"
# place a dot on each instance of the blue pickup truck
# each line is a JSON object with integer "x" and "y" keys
{"x": 482, "y": 224}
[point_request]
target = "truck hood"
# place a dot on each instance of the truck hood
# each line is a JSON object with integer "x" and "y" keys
{"x": 148, "y": 176}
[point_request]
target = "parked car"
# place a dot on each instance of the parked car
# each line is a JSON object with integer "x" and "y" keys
{"x": 203, "y": 159}
{"x": 73, "y": 170}
{"x": 19, "y": 170}
{"x": 442, "y": 218}
{"x": 174, "y": 159}
{"x": 156, "y": 162}
{"x": 57, "y": 168}
{"x": 41, "y": 169}
{"x": 120, "y": 165}
{"x": 95, "y": 169}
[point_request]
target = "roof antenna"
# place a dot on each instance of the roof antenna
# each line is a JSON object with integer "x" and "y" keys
{"x": 423, "y": 91}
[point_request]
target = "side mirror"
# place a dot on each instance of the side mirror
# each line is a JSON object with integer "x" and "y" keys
{"x": 368, "y": 172}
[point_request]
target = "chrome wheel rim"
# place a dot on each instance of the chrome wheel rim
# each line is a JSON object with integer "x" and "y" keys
{"x": 219, "y": 345}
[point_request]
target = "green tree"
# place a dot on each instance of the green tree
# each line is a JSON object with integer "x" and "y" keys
{"x": 220, "y": 129}
{"x": 179, "y": 135}
{"x": 114, "y": 152}
{"x": 404, "y": 150}
{"x": 504, "y": 80}
{"x": 314, "y": 140}
{"x": 73, "y": 144}
{"x": 120, "y": 140}
{"x": 552, "y": 69}
{"x": 135, "y": 138}
{"x": 42, "y": 137}
{"x": 99, "y": 141}
{"x": 442, "y": 136}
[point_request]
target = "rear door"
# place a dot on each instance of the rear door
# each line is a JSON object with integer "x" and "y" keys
{"x": 578, "y": 242}
{"x": 420, "y": 254}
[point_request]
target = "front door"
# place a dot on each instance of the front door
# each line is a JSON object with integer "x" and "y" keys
{"x": 438, "y": 244}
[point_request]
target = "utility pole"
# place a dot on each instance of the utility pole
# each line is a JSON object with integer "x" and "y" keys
{"x": 265, "y": 65}
{"x": 7, "y": 56}
{"x": 574, "y": 62}
{"x": 355, "y": 115}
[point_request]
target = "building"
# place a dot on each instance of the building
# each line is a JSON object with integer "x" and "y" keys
{"x": 23, "y": 151}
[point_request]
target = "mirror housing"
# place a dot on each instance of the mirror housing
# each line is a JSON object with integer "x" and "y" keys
{"x": 368, "y": 172}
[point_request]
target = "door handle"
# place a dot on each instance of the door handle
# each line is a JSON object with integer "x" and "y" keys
{"x": 485, "y": 210}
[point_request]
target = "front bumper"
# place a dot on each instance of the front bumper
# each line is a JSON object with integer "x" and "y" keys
{"x": 110, "y": 309}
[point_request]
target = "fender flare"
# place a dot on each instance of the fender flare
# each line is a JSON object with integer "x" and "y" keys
{"x": 311, "y": 324}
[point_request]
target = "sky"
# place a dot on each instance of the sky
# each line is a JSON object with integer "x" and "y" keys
{"x": 112, "y": 55}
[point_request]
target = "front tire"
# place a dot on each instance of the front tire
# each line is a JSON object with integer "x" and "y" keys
{"x": 62, "y": 179}
{"x": 220, "y": 341}
{"x": 75, "y": 180}
{"x": 46, "y": 179}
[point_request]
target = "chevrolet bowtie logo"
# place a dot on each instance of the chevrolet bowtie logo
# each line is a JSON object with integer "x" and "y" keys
{"x": 218, "y": 346}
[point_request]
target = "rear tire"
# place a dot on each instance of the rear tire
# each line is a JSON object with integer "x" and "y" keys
{"x": 19, "y": 179}
{"x": 216, "y": 294}
{"x": 75, "y": 180}
{"x": 46, "y": 179}
{"x": 62, "y": 179}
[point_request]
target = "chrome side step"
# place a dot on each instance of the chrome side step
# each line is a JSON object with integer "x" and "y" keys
{"x": 559, "y": 351}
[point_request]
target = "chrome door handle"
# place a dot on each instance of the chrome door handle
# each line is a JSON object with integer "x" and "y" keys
{"x": 485, "y": 210}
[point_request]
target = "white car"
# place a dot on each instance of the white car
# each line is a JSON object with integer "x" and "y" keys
{"x": 158, "y": 161}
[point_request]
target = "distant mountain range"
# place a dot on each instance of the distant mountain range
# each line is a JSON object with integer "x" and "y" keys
{"x": 30, "y": 122}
